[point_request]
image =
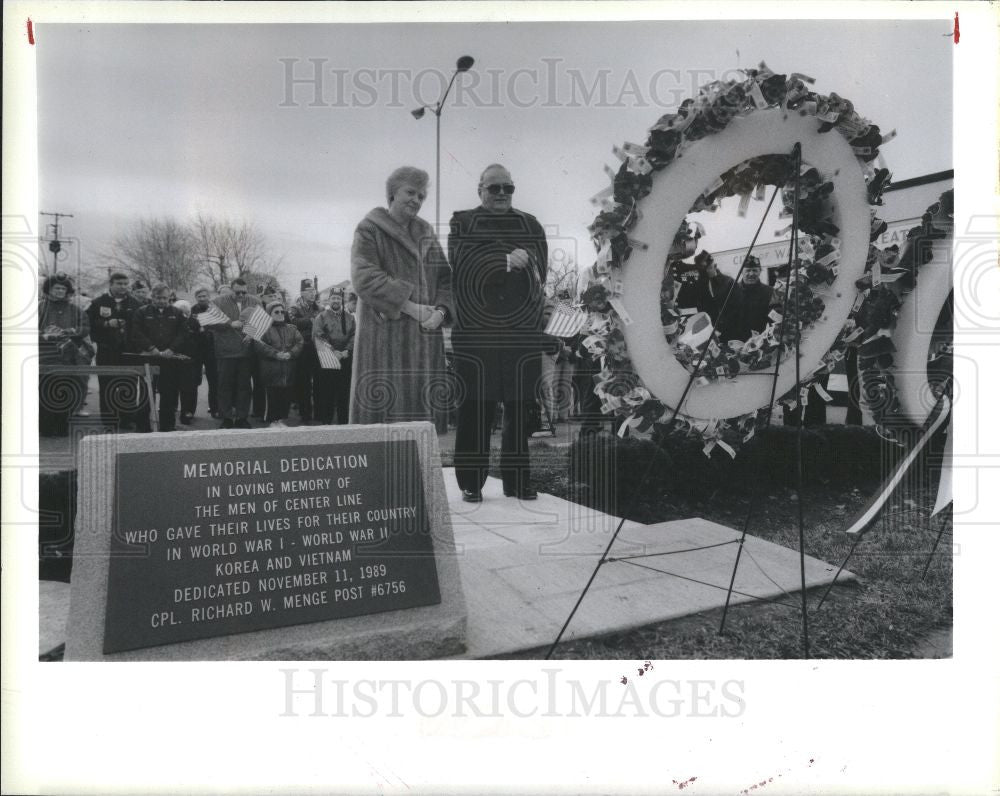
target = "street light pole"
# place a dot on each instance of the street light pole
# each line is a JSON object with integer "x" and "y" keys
{"x": 464, "y": 64}
{"x": 437, "y": 170}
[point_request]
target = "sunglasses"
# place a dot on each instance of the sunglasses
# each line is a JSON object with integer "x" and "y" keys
{"x": 496, "y": 190}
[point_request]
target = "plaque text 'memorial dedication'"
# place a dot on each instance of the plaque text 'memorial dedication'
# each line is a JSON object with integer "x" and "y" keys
{"x": 210, "y": 543}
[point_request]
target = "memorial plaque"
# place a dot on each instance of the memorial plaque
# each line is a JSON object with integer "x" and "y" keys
{"x": 210, "y": 543}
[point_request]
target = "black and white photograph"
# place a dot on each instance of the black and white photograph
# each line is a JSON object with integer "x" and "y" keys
{"x": 401, "y": 382}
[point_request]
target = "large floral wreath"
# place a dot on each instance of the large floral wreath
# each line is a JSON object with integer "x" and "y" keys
{"x": 707, "y": 359}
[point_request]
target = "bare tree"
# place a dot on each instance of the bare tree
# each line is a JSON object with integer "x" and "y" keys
{"x": 226, "y": 251}
{"x": 156, "y": 250}
{"x": 562, "y": 276}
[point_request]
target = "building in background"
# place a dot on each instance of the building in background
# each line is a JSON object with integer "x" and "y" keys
{"x": 903, "y": 204}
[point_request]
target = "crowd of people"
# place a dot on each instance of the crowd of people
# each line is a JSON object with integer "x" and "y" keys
{"x": 132, "y": 325}
{"x": 377, "y": 355}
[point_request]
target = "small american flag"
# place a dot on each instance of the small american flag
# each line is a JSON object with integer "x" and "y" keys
{"x": 328, "y": 360}
{"x": 256, "y": 322}
{"x": 566, "y": 321}
{"x": 212, "y": 317}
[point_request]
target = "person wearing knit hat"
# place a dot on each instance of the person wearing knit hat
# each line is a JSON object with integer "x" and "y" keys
{"x": 305, "y": 391}
{"x": 335, "y": 326}
{"x": 63, "y": 328}
{"x": 278, "y": 350}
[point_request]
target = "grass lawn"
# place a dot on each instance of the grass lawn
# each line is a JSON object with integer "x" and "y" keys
{"x": 885, "y": 614}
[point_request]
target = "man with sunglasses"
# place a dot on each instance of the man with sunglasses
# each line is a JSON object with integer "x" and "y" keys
{"x": 499, "y": 259}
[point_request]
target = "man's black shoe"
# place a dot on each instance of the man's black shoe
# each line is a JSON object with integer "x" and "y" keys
{"x": 186, "y": 419}
{"x": 227, "y": 423}
{"x": 472, "y": 496}
{"x": 522, "y": 494}
{"x": 241, "y": 422}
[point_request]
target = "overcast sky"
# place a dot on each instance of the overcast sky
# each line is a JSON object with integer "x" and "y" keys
{"x": 165, "y": 120}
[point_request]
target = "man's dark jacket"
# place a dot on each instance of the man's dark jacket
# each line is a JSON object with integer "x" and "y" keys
{"x": 497, "y": 336}
{"x": 110, "y": 341}
{"x": 161, "y": 329}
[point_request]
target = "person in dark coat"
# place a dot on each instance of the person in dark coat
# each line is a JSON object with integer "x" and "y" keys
{"x": 110, "y": 316}
{"x": 159, "y": 330}
{"x": 708, "y": 291}
{"x": 277, "y": 354}
{"x": 755, "y": 300}
{"x": 205, "y": 351}
{"x": 190, "y": 371}
{"x": 499, "y": 259}
{"x": 335, "y": 326}
{"x": 302, "y": 313}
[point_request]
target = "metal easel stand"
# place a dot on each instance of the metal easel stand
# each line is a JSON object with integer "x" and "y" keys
{"x": 604, "y": 559}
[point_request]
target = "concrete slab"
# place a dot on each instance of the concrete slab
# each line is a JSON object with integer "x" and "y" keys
{"x": 53, "y": 610}
{"x": 519, "y": 591}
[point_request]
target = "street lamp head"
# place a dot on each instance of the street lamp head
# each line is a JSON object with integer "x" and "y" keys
{"x": 418, "y": 113}
{"x": 464, "y": 64}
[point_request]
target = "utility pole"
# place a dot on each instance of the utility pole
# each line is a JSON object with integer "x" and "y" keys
{"x": 55, "y": 245}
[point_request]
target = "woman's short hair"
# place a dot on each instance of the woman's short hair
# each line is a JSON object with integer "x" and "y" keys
{"x": 405, "y": 175}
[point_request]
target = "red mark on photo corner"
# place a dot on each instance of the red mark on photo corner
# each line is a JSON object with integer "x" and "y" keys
{"x": 955, "y": 30}
{"x": 31, "y": 32}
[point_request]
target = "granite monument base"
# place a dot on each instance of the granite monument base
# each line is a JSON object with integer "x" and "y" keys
{"x": 278, "y": 558}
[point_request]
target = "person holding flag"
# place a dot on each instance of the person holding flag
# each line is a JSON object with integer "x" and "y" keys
{"x": 278, "y": 349}
{"x": 232, "y": 352}
{"x": 333, "y": 334}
